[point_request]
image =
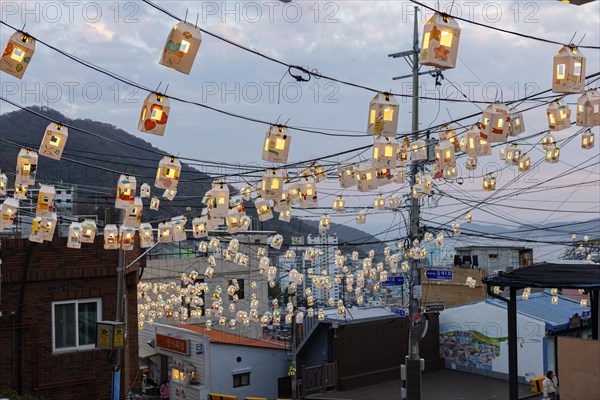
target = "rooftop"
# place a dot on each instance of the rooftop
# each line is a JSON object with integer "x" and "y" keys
{"x": 358, "y": 314}
{"x": 549, "y": 275}
{"x": 221, "y": 337}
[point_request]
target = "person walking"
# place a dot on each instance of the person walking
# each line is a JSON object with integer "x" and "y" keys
{"x": 165, "y": 391}
{"x": 550, "y": 386}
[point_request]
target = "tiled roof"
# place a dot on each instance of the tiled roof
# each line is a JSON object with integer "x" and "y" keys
{"x": 217, "y": 336}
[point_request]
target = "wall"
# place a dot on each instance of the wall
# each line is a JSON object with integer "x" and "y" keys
{"x": 505, "y": 257}
{"x": 48, "y": 272}
{"x": 266, "y": 366}
{"x": 578, "y": 368}
{"x": 454, "y": 292}
{"x": 485, "y": 325}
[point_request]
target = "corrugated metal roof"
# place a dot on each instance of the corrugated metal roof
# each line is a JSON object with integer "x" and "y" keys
{"x": 539, "y": 306}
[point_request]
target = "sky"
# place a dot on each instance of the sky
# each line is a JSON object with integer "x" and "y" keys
{"x": 350, "y": 40}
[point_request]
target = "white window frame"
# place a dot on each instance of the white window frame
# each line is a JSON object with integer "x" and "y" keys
{"x": 76, "y": 348}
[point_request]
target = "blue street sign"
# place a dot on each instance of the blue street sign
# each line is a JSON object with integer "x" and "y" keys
{"x": 199, "y": 348}
{"x": 400, "y": 311}
{"x": 439, "y": 274}
{"x": 393, "y": 281}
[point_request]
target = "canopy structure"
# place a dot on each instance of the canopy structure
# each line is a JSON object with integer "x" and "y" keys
{"x": 543, "y": 275}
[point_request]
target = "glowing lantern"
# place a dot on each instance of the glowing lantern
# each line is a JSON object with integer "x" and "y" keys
{"x": 365, "y": 177}
{"x": 178, "y": 224}
{"x": 286, "y": 214}
{"x": 233, "y": 221}
{"x": 325, "y": 222}
{"x": 587, "y": 140}
{"x": 42, "y": 228}
{"x": 339, "y": 204}
{"x": 154, "y": 203}
{"x": 441, "y": 36}
{"x": 361, "y": 217}
{"x": 126, "y": 237}
{"x": 516, "y": 123}
{"x": 496, "y": 123}
{"x": 472, "y": 144}
{"x": 145, "y": 190}
{"x": 126, "y": 187}
{"x": 394, "y": 201}
{"x": 88, "y": 231}
{"x": 383, "y": 176}
{"x": 554, "y": 299}
{"x": 20, "y": 192}
{"x": 133, "y": 214}
{"x": 524, "y": 163}
{"x": 54, "y": 140}
{"x": 469, "y": 217}
{"x": 155, "y": 112}
{"x": 199, "y": 227}
{"x": 383, "y": 115}
{"x": 181, "y": 47}
{"x": 169, "y": 194}
{"x": 263, "y": 209}
{"x": 272, "y": 184}
{"x": 418, "y": 150}
{"x": 26, "y": 167}
{"x": 8, "y": 211}
{"x": 513, "y": 154}
{"x": 45, "y": 201}
{"x": 384, "y": 152}
{"x": 346, "y": 175}
{"x": 559, "y": 116}
{"x": 276, "y": 241}
{"x": 379, "y": 203}
{"x": 450, "y": 171}
{"x": 444, "y": 154}
{"x": 237, "y": 203}
{"x": 3, "y": 184}
{"x": 548, "y": 141}
{"x": 277, "y": 144}
{"x": 74, "y": 236}
{"x": 165, "y": 232}
{"x": 402, "y": 155}
{"x": 588, "y": 108}
{"x": 220, "y": 192}
{"x": 168, "y": 173}
{"x": 293, "y": 193}
{"x": 489, "y": 182}
{"x": 447, "y": 133}
{"x": 111, "y": 237}
{"x": 569, "y": 71}
{"x": 552, "y": 155}
{"x": 17, "y": 54}
{"x": 308, "y": 193}
{"x": 245, "y": 222}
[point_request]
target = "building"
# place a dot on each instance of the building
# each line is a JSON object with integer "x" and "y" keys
{"x": 473, "y": 337}
{"x": 50, "y": 300}
{"x": 493, "y": 259}
{"x": 197, "y": 362}
{"x": 452, "y": 292}
{"x": 323, "y": 264}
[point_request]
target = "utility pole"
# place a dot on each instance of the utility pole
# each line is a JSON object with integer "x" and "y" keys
{"x": 116, "y": 374}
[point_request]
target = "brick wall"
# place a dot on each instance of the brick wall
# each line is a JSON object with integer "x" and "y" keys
{"x": 454, "y": 292}
{"x": 56, "y": 273}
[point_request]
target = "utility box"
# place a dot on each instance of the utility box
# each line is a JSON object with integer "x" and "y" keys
{"x": 536, "y": 384}
{"x": 110, "y": 335}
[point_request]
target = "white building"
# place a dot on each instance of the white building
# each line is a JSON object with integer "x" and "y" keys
{"x": 493, "y": 258}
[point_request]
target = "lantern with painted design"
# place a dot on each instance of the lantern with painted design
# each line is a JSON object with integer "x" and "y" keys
{"x": 126, "y": 187}
{"x": 42, "y": 228}
{"x": 133, "y": 214}
{"x": 168, "y": 173}
{"x": 277, "y": 144}
{"x": 233, "y": 221}
{"x": 447, "y": 133}
{"x": 181, "y": 47}
{"x": 394, "y": 202}
{"x": 365, "y": 177}
{"x": 111, "y": 237}
{"x": 276, "y": 241}
{"x": 286, "y": 214}
{"x": 145, "y": 190}
{"x": 361, "y": 217}
{"x": 399, "y": 175}
{"x": 569, "y": 71}
{"x": 548, "y": 141}
{"x": 272, "y": 184}
{"x": 346, "y": 175}
{"x": 154, "y": 203}
{"x": 339, "y": 204}
{"x": 552, "y": 155}
{"x": 155, "y": 113}
{"x": 524, "y": 163}
{"x": 17, "y": 54}
{"x": 450, "y": 171}
{"x": 8, "y": 211}
{"x": 26, "y": 167}
{"x": 402, "y": 155}
{"x": 588, "y": 108}
{"x": 471, "y": 141}
{"x": 169, "y": 194}
{"x": 517, "y": 126}
{"x": 384, "y": 176}
{"x": 126, "y": 237}
{"x": 88, "y": 231}
{"x": 324, "y": 222}
{"x": 444, "y": 154}
{"x": 513, "y": 154}
{"x": 383, "y": 115}
{"x": 178, "y": 224}
{"x": 54, "y": 140}
{"x": 220, "y": 192}
{"x": 441, "y": 36}
{"x": 3, "y": 184}
{"x": 263, "y": 209}
{"x": 384, "y": 152}
{"x": 379, "y": 203}
{"x": 199, "y": 227}
{"x": 495, "y": 123}
{"x": 587, "y": 140}
{"x": 245, "y": 223}
{"x": 74, "y": 236}
{"x": 45, "y": 201}
{"x": 237, "y": 203}
{"x": 559, "y": 116}
{"x": 308, "y": 193}
{"x": 489, "y": 182}
{"x": 165, "y": 232}
{"x": 418, "y": 150}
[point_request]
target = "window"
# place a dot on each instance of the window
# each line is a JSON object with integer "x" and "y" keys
{"x": 493, "y": 256}
{"x": 241, "y": 379}
{"x": 240, "y": 292}
{"x": 74, "y": 324}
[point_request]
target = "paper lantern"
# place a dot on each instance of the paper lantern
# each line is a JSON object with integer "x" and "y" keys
{"x": 548, "y": 141}
{"x": 339, "y": 204}
{"x": 316, "y": 172}
{"x": 276, "y": 241}
{"x": 17, "y": 54}
{"x": 74, "y": 236}
{"x": 383, "y": 115}
{"x": 384, "y": 152}
{"x": 588, "y": 108}
{"x": 517, "y": 126}
{"x": 418, "y": 150}
{"x": 88, "y": 231}
{"x": 126, "y": 237}
{"x": 54, "y": 140}
{"x": 237, "y": 203}
{"x": 444, "y": 154}
{"x": 133, "y": 214}
{"x": 524, "y": 163}
{"x": 325, "y": 221}
{"x": 178, "y": 226}
{"x": 513, "y": 154}
{"x": 286, "y": 214}
{"x": 3, "y": 184}
{"x": 559, "y": 116}
{"x": 169, "y": 194}
{"x": 587, "y": 140}
{"x": 246, "y": 192}
{"x": 399, "y": 175}
{"x": 42, "y": 228}
{"x": 165, "y": 232}
{"x": 469, "y": 218}
{"x": 111, "y": 237}
{"x": 220, "y": 192}
{"x": 245, "y": 222}
{"x": 489, "y": 182}
{"x": 471, "y": 142}
{"x": 272, "y": 184}
{"x": 168, "y": 173}
{"x": 126, "y": 187}
{"x": 471, "y": 163}
{"x": 145, "y": 190}
{"x": 263, "y": 209}
{"x": 155, "y": 113}
{"x": 383, "y": 176}
{"x": 394, "y": 202}
{"x": 569, "y": 71}
{"x": 181, "y": 47}
{"x": 277, "y": 144}
{"x": 8, "y": 211}
{"x": 379, "y": 203}
{"x": 233, "y": 221}
{"x": 450, "y": 171}
{"x": 45, "y": 201}
{"x": 552, "y": 155}
{"x": 308, "y": 193}
{"x": 441, "y": 36}
{"x": 361, "y": 217}
{"x": 495, "y": 123}
{"x": 346, "y": 175}
{"x": 447, "y": 133}
{"x": 199, "y": 227}
{"x": 402, "y": 155}
{"x": 154, "y": 203}
{"x": 26, "y": 167}
{"x": 365, "y": 177}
